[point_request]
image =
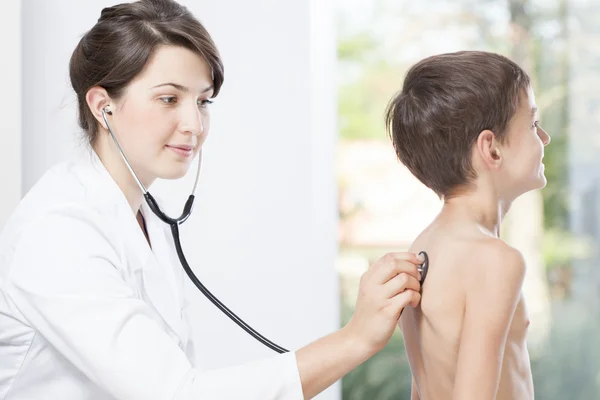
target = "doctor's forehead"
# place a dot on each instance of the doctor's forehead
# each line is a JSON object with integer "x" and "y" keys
{"x": 184, "y": 69}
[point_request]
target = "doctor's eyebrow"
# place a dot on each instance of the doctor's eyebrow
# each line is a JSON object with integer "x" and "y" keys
{"x": 533, "y": 110}
{"x": 182, "y": 88}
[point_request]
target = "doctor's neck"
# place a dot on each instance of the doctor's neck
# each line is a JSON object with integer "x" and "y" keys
{"x": 116, "y": 167}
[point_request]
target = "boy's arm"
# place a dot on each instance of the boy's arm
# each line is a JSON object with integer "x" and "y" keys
{"x": 493, "y": 289}
{"x": 414, "y": 395}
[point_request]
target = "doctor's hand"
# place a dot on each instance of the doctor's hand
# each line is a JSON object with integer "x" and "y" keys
{"x": 385, "y": 289}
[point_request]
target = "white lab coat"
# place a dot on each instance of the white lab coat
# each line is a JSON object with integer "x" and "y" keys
{"x": 89, "y": 311}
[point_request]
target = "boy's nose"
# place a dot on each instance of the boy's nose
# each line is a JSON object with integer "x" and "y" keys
{"x": 544, "y": 136}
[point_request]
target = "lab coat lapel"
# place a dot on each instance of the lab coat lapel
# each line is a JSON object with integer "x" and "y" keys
{"x": 160, "y": 284}
{"x": 152, "y": 267}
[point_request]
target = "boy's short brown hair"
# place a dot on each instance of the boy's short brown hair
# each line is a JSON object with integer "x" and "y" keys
{"x": 445, "y": 102}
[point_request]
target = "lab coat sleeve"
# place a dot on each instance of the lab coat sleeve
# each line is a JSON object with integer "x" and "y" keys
{"x": 66, "y": 282}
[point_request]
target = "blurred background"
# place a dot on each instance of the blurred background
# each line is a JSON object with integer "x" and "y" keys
{"x": 301, "y": 189}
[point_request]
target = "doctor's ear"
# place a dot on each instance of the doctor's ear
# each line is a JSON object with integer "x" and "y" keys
{"x": 488, "y": 147}
{"x": 98, "y": 100}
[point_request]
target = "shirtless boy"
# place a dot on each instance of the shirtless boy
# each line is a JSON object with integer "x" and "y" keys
{"x": 465, "y": 124}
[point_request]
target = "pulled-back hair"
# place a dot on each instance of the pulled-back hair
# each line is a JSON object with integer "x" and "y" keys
{"x": 121, "y": 43}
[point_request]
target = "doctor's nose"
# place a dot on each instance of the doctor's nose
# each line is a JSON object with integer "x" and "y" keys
{"x": 192, "y": 121}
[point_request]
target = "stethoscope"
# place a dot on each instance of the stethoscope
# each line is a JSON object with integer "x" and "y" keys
{"x": 187, "y": 211}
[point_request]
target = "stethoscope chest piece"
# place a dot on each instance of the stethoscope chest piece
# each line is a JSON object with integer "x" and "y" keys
{"x": 423, "y": 268}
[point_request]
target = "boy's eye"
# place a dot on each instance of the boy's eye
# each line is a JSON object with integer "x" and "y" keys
{"x": 535, "y": 124}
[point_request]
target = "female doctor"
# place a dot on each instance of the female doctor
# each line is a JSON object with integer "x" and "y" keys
{"x": 90, "y": 286}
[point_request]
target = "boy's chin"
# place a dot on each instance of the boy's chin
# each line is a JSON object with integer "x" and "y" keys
{"x": 536, "y": 184}
{"x": 539, "y": 183}
{"x": 542, "y": 181}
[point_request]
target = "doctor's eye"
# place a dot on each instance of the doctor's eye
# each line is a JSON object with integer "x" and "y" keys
{"x": 535, "y": 125}
{"x": 168, "y": 99}
{"x": 204, "y": 103}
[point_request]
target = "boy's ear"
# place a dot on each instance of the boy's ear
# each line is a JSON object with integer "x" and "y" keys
{"x": 488, "y": 148}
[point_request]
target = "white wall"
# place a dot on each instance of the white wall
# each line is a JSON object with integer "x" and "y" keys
{"x": 10, "y": 108}
{"x": 51, "y": 30}
{"x": 263, "y": 235}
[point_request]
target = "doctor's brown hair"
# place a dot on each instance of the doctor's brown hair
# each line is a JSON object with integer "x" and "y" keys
{"x": 446, "y": 101}
{"x": 118, "y": 47}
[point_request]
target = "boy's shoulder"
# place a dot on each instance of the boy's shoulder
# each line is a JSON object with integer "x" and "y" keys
{"x": 495, "y": 262}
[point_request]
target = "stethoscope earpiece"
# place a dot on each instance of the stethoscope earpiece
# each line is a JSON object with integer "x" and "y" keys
{"x": 107, "y": 110}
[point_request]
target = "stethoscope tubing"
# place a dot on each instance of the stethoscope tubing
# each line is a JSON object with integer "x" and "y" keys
{"x": 174, "y": 225}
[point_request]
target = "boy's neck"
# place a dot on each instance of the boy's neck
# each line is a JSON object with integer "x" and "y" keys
{"x": 484, "y": 209}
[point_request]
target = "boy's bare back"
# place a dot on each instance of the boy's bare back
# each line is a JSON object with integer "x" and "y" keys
{"x": 467, "y": 338}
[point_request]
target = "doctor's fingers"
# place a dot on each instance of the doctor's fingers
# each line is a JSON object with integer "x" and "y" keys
{"x": 407, "y": 297}
{"x": 393, "y": 264}
{"x": 399, "y": 284}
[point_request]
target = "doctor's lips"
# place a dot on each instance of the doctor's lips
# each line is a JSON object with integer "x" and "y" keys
{"x": 184, "y": 150}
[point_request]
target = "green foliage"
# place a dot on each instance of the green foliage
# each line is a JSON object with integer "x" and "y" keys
{"x": 357, "y": 47}
{"x": 559, "y": 247}
{"x": 362, "y": 104}
{"x": 569, "y": 368}
{"x": 386, "y": 376}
